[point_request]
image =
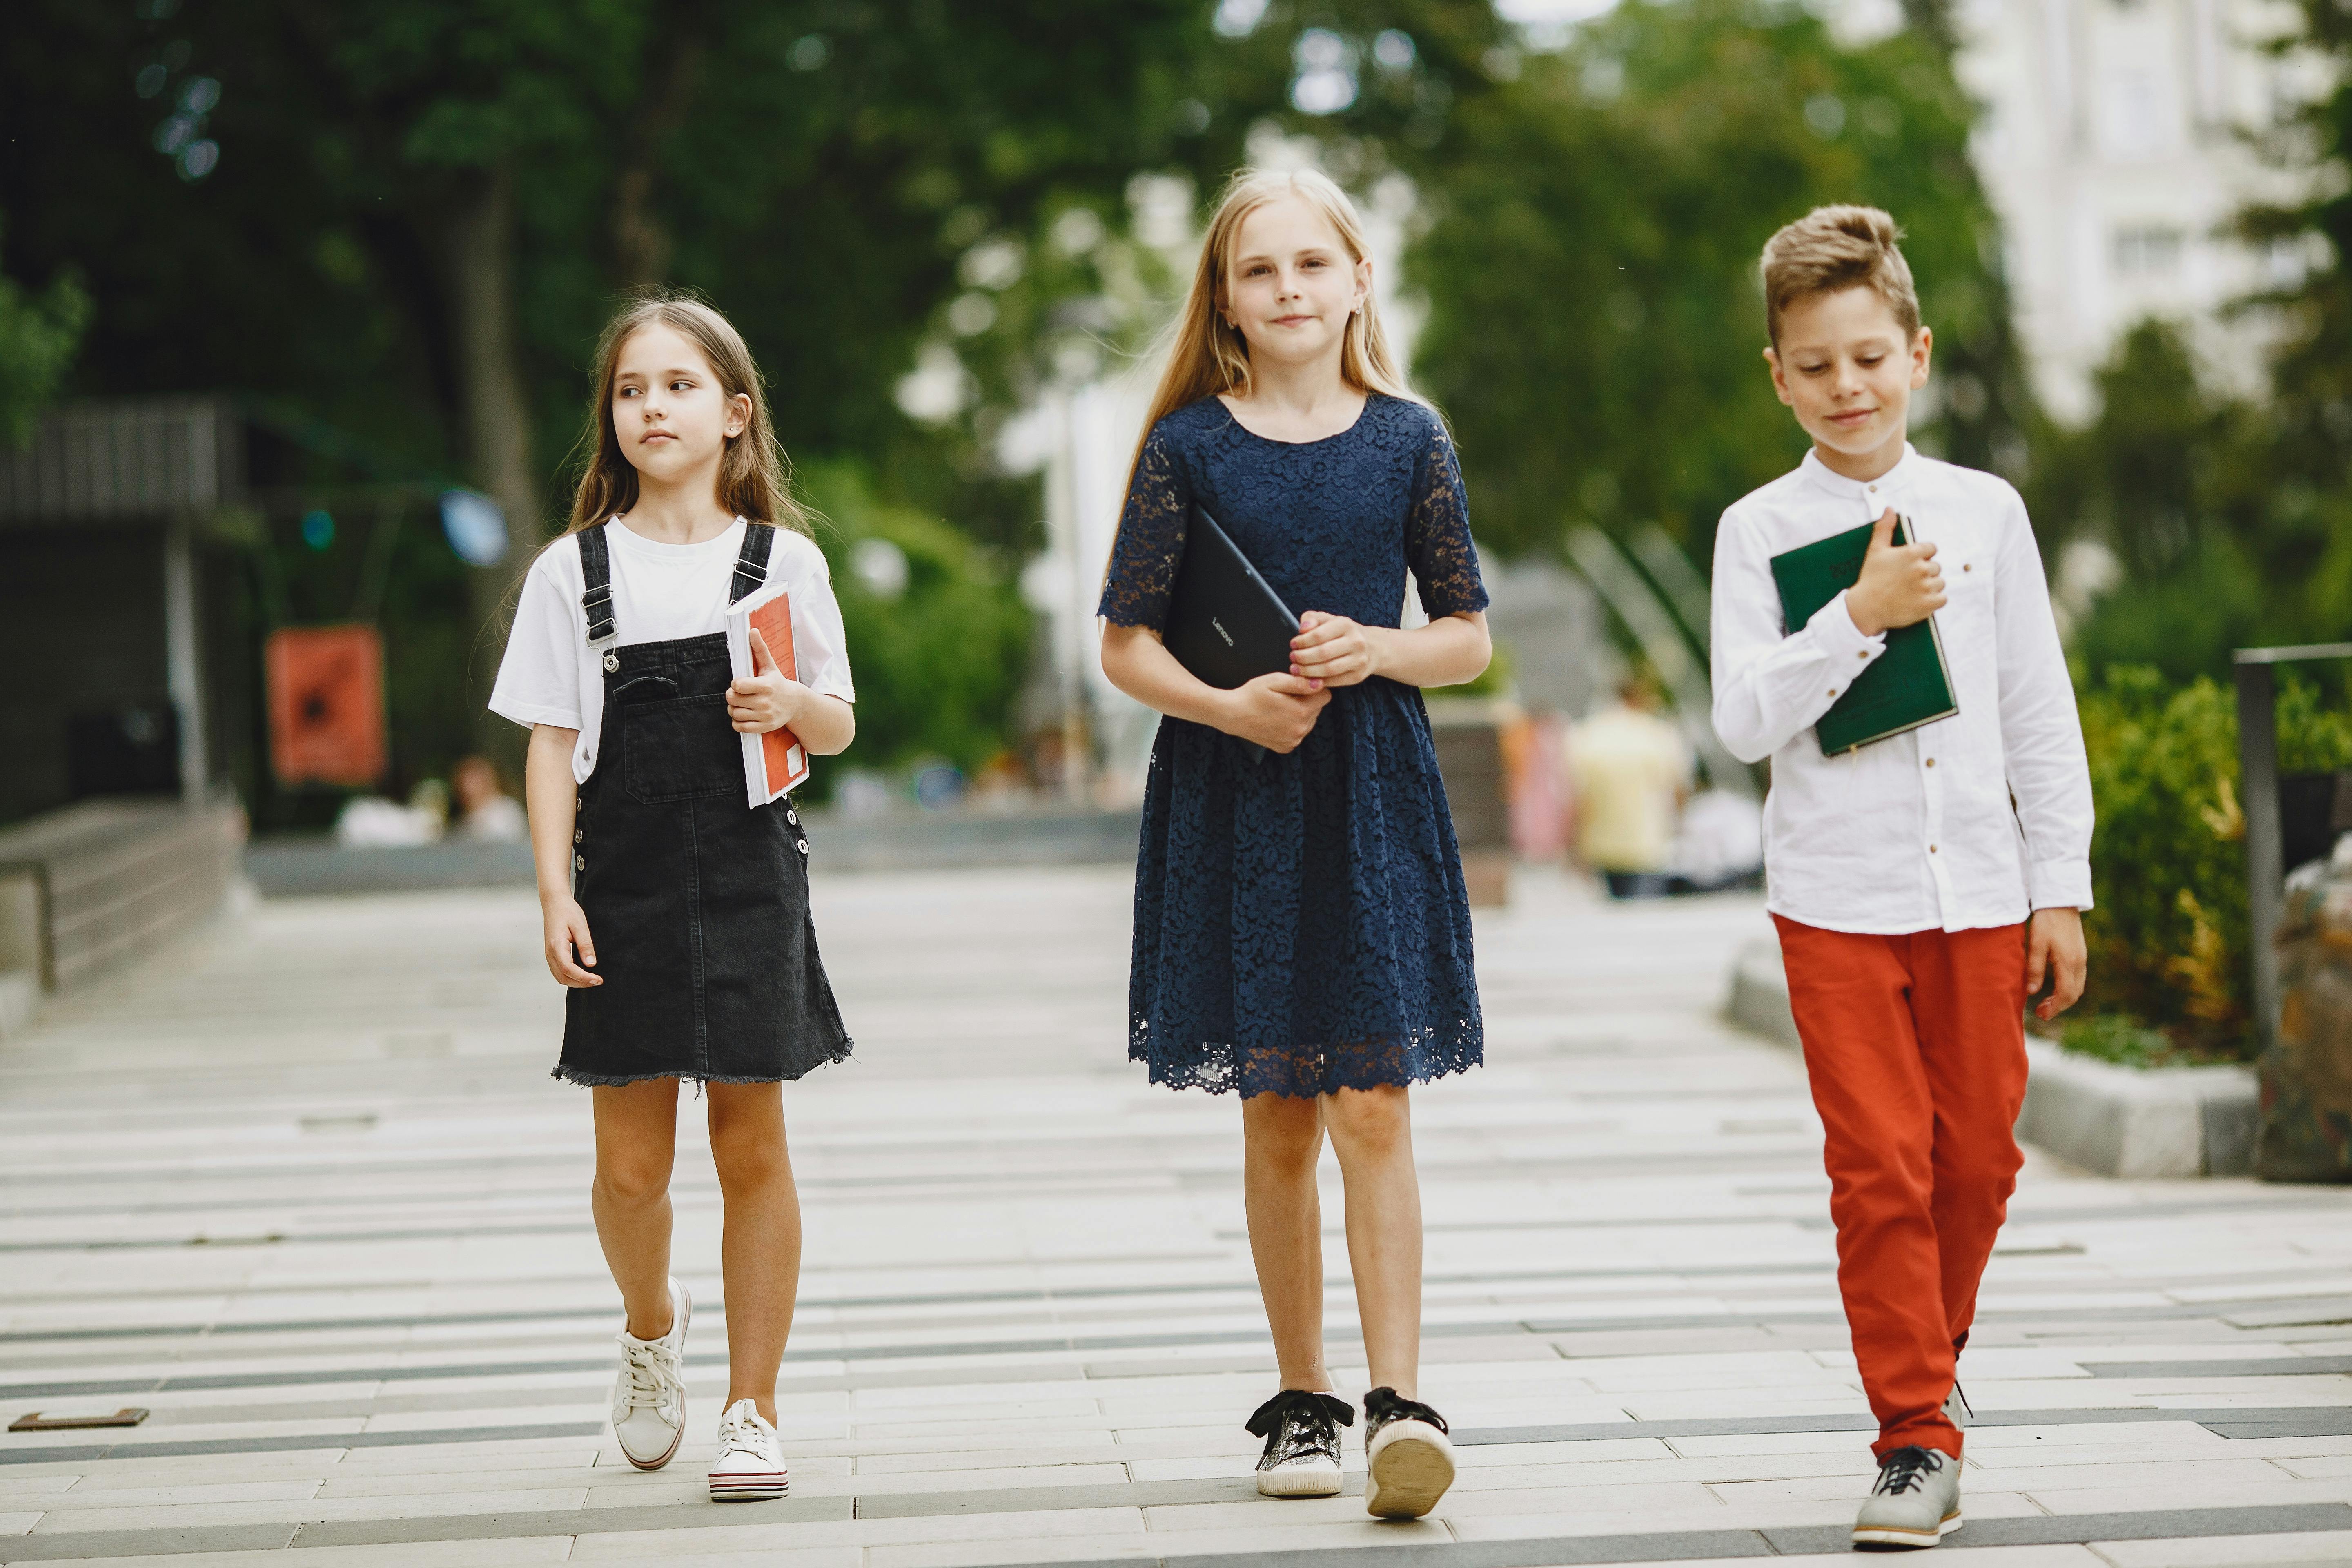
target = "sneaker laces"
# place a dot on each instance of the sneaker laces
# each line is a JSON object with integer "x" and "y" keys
{"x": 740, "y": 1433}
{"x": 649, "y": 1364}
{"x": 1905, "y": 1470}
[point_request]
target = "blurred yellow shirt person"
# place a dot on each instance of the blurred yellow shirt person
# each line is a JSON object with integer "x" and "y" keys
{"x": 1632, "y": 769}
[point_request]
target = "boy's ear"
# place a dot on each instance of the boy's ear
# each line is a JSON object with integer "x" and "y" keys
{"x": 1779, "y": 381}
{"x": 1922, "y": 352}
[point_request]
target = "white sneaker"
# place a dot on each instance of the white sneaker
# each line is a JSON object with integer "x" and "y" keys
{"x": 649, "y": 1396}
{"x": 750, "y": 1463}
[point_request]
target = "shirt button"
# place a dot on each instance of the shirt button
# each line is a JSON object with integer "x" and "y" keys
{"x": 803, "y": 844}
{"x": 579, "y": 864}
{"x": 1931, "y": 849}
{"x": 1863, "y": 654}
{"x": 1833, "y": 692}
{"x": 578, "y": 834}
{"x": 1931, "y": 761}
{"x": 1967, "y": 566}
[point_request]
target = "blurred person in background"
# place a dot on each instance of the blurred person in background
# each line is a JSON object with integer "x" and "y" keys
{"x": 1632, "y": 769}
{"x": 484, "y": 810}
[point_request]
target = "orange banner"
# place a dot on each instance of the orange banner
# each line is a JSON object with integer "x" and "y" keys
{"x": 326, "y": 704}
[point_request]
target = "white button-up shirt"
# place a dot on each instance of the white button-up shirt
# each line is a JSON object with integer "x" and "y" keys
{"x": 1972, "y": 821}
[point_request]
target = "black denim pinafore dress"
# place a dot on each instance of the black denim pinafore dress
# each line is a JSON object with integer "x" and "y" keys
{"x": 698, "y": 903}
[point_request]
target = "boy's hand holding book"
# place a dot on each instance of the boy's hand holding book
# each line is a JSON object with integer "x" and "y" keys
{"x": 1900, "y": 583}
{"x": 767, "y": 699}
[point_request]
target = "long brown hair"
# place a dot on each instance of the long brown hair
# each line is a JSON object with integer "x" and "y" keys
{"x": 1207, "y": 356}
{"x": 754, "y": 477}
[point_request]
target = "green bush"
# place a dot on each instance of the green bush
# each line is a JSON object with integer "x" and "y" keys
{"x": 939, "y": 666}
{"x": 2168, "y": 934}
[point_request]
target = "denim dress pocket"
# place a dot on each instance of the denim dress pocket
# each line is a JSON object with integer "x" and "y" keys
{"x": 681, "y": 748}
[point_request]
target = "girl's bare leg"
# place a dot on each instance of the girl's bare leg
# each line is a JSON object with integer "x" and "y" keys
{"x": 760, "y": 1244}
{"x": 1281, "y": 1139}
{"x": 1371, "y": 1132}
{"x": 636, "y": 1142}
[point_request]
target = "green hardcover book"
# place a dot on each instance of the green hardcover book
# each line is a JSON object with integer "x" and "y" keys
{"x": 1905, "y": 687}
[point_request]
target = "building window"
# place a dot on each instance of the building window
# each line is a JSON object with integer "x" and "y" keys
{"x": 2148, "y": 250}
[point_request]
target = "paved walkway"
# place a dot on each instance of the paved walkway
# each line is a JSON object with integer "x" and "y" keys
{"x": 302, "y": 1189}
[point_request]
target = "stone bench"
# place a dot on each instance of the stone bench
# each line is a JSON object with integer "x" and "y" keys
{"x": 90, "y": 885}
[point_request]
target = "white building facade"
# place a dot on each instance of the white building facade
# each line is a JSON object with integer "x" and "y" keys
{"x": 2114, "y": 145}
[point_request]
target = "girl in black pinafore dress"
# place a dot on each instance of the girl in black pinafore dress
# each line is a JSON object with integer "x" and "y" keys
{"x": 1302, "y": 930}
{"x": 676, "y": 913}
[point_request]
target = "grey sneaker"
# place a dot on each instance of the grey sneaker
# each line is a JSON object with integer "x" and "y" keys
{"x": 1302, "y": 1443}
{"x": 1916, "y": 1502}
{"x": 1408, "y": 1459}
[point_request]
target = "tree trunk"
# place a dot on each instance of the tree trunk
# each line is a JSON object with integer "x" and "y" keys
{"x": 477, "y": 247}
{"x": 641, "y": 243}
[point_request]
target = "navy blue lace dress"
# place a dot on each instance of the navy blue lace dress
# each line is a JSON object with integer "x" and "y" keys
{"x": 1300, "y": 921}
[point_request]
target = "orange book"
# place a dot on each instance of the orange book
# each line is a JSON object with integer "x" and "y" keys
{"x": 776, "y": 761}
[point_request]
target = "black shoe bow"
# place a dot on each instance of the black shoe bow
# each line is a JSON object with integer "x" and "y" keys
{"x": 1270, "y": 1414}
{"x": 1382, "y": 1405}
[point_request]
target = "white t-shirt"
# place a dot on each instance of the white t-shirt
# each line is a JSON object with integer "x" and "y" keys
{"x": 661, "y": 593}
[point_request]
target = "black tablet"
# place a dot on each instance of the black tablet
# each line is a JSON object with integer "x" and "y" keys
{"x": 1225, "y": 625}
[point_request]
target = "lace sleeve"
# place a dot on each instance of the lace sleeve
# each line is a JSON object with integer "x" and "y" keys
{"x": 1150, "y": 543}
{"x": 1437, "y": 534}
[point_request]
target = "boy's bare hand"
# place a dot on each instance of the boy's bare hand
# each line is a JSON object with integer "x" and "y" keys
{"x": 2054, "y": 944}
{"x": 1275, "y": 710}
{"x": 1900, "y": 583}
{"x": 567, "y": 929}
{"x": 1331, "y": 649}
{"x": 765, "y": 699}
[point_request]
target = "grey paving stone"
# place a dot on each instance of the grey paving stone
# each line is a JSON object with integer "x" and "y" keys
{"x": 269, "y": 1445}
{"x": 567, "y": 1521}
{"x": 2278, "y": 1366}
{"x": 161, "y": 1543}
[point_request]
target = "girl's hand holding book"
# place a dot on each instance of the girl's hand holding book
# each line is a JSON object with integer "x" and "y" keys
{"x": 1275, "y": 710}
{"x": 767, "y": 699}
{"x": 1331, "y": 651}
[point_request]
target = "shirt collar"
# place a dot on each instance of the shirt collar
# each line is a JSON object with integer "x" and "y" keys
{"x": 1892, "y": 483}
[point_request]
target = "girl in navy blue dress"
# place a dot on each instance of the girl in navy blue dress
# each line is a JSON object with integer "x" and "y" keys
{"x": 1302, "y": 933}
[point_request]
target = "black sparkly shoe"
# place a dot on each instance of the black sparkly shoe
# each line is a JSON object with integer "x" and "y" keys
{"x": 1408, "y": 1454}
{"x": 1302, "y": 1443}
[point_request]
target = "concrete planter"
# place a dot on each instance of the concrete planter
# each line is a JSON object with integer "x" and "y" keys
{"x": 2117, "y": 1120}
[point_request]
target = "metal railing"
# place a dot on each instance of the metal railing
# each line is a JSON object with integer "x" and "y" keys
{"x": 2258, "y": 795}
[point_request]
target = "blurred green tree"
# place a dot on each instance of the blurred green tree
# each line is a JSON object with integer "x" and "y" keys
{"x": 406, "y": 221}
{"x": 39, "y": 334}
{"x": 1595, "y": 327}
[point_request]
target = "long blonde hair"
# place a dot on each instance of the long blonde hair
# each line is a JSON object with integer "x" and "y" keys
{"x": 1207, "y": 356}
{"x": 754, "y": 478}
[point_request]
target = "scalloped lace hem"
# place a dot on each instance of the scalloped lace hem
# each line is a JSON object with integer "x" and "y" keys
{"x": 1303, "y": 1071}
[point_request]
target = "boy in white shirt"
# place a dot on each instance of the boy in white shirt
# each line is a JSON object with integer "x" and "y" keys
{"x": 1924, "y": 884}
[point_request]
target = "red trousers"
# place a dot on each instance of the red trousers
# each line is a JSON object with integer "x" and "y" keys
{"x": 1915, "y": 1048}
